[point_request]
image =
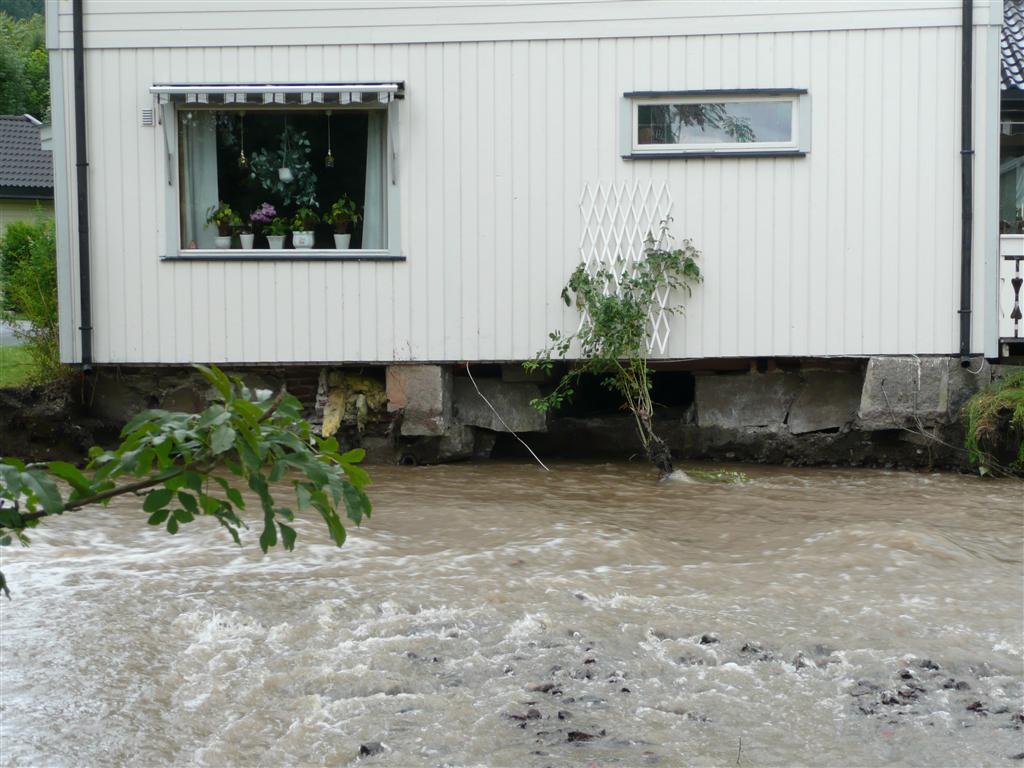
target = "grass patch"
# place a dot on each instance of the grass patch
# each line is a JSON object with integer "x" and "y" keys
{"x": 995, "y": 425}
{"x": 16, "y": 366}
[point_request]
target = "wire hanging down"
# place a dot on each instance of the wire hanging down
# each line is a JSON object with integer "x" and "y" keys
{"x": 506, "y": 426}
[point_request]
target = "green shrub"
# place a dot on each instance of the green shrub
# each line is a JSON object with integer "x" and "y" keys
{"x": 30, "y": 291}
{"x": 995, "y": 425}
{"x": 15, "y": 246}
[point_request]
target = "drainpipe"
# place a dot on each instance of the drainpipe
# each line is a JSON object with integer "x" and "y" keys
{"x": 966, "y": 177}
{"x": 82, "y": 173}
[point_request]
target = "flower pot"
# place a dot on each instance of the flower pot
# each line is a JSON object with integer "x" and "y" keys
{"x": 341, "y": 241}
{"x": 276, "y": 242}
{"x": 222, "y": 241}
{"x": 247, "y": 240}
{"x": 302, "y": 239}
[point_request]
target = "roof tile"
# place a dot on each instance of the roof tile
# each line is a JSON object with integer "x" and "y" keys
{"x": 23, "y": 162}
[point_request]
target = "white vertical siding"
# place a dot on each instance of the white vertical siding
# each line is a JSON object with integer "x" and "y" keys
{"x": 851, "y": 250}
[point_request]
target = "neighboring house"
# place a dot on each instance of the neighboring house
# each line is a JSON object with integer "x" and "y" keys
{"x": 1011, "y": 178}
{"x": 26, "y": 171}
{"x": 811, "y": 150}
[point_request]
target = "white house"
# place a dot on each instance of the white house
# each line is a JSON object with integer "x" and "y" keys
{"x": 812, "y": 149}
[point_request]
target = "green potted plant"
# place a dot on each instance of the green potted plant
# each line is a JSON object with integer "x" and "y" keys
{"x": 224, "y": 218}
{"x": 302, "y": 227}
{"x": 343, "y": 215}
{"x": 277, "y": 229}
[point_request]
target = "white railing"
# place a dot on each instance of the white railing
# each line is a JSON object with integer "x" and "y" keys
{"x": 1011, "y": 293}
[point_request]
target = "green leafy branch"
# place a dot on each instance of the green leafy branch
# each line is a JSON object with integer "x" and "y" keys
{"x": 614, "y": 337}
{"x": 169, "y": 459}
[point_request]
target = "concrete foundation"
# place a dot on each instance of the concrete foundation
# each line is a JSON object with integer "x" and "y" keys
{"x": 888, "y": 411}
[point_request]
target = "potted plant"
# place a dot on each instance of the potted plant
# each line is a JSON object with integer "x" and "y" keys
{"x": 224, "y": 218}
{"x": 302, "y": 227}
{"x": 260, "y": 219}
{"x": 276, "y": 231}
{"x": 245, "y": 234}
{"x": 343, "y": 215}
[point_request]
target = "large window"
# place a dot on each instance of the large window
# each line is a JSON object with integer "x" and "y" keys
{"x": 236, "y": 163}
{"x": 281, "y": 170}
{"x": 708, "y": 123}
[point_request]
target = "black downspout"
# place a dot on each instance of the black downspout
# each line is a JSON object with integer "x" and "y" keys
{"x": 966, "y": 178}
{"x": 82, "y": 172}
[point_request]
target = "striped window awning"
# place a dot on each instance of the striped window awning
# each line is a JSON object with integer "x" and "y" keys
{"x": 278, "y": 93}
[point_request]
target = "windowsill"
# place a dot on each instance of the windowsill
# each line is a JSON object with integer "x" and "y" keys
{"x": 283, "y": 254}
{"x": 682, "y": 154}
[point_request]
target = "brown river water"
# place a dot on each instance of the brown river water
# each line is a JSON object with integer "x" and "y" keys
{"x": 497, "y": 615}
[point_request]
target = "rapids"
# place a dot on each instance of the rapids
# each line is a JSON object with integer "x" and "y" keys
{"x": 497, "y": 615}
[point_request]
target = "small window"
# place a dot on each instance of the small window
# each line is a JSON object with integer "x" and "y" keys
{"x": 720, "y": 123}
{"x": 266, "y": 179}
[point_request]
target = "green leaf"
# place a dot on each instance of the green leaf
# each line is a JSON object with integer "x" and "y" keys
{"x": 223, "y": 439}
{"x": 302, "y": 493}
{"x": 357, "y": 504}
{"x": 359, "y": 476}
{"x": 216, "y": 377}
{"x": 231, "y": 492}
{"x": 183, "y": 516}
{"x": 157, "y": 499}
{"x": 72, "y": 475}
{"x": 188, "y": 501}
{"x": 287, "y": 536}
{"x": 269, "y": 537}
{"x": 9, "y": 518}
{"x": 158, "y": 517}
{"x": 172, "y": 524}
{"x": 144, "y": 462}
{"x": 44, "y": 490}
{"x": 353, "y": 456}
{"x": 193, "y": 481}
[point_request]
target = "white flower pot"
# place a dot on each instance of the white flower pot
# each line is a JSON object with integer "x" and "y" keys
{"x": 302, "y": 239}
{"x": 222, "y": 241}
{"x": 341, "y": 241}
{"x": 247, "y": 241}
{"x": 276, "y": 242}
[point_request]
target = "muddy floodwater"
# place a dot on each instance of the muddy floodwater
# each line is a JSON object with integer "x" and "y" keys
{"x": 496, "y": 615}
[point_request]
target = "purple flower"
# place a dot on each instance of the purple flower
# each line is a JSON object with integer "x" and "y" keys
{"x": 264, "y": 214}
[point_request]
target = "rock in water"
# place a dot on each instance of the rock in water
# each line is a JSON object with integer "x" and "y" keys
{"x": 370, "y": 748}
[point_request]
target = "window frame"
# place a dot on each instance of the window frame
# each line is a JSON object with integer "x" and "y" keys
{"x": 798, "y": 146}
{"x": 174, "y": 249}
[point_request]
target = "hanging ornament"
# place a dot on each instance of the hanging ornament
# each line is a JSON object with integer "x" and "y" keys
{"x": 243, "y": 161}
{"x": 284, "y": 173}
{"x": 329, "y": 160}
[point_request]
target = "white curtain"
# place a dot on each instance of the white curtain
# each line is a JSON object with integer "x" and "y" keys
{"x": 373, "y": 197}
{"x": 199, "y": 182}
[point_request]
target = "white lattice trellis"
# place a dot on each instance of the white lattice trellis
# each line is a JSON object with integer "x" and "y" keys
{"x": 617, "y": 220}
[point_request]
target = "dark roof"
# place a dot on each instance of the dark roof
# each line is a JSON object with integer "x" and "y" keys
{"x": 1011, "y": 45}
{"x": 26, "y": 170}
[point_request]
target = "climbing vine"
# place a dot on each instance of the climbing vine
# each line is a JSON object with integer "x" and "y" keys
{"x": 614, "y": 336}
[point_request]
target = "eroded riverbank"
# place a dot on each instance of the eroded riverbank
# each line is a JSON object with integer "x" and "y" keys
{"x": 496, "y": 615}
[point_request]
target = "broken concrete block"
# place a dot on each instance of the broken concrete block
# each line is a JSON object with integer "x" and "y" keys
{"x": 828, "y": 400}
{"x": 424, "y": 395}
{"x": 746, "y": 399}
{"x": 510, "y": 400}
{"x": 348, "y": 398}
{"x": 916, "y": 391}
